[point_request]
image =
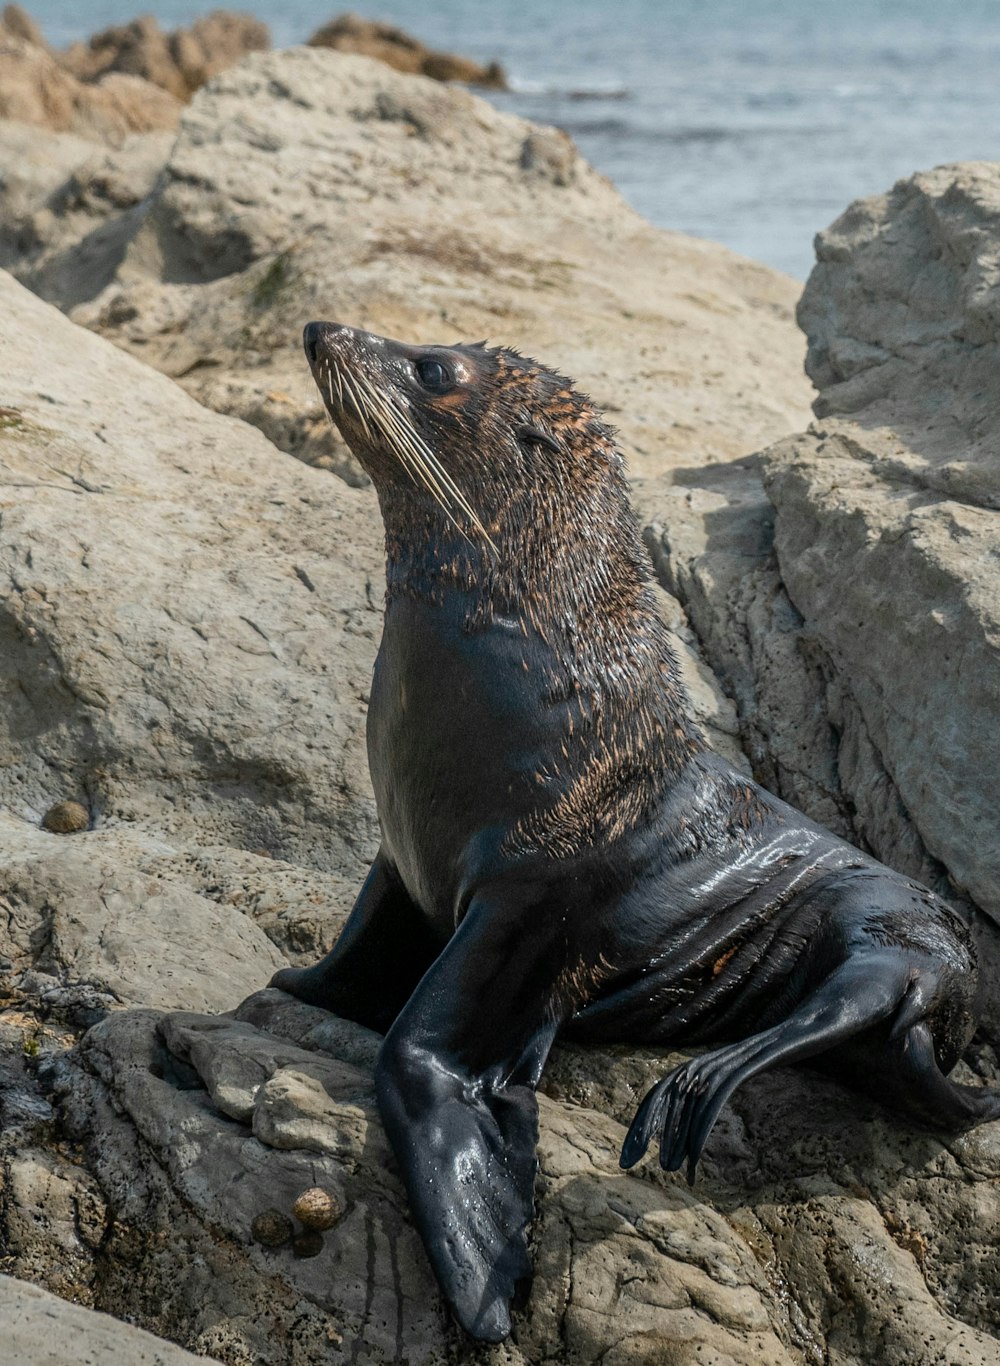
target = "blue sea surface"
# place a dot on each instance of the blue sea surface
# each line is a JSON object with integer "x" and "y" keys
{"x": 750, "y": 122}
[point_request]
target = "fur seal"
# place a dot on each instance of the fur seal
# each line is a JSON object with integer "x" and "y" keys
{"x": 560, "y": 850}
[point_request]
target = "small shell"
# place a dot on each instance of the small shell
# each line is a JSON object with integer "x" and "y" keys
{"x": 272, "y": 1228}
{"x": 65, "y": 818}
{"x": 317, "y": 1208}
{"x": 308, "y": 1243}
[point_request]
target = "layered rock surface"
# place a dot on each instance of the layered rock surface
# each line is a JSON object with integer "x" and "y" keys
{"x": 846, "y": 586}
{"x": 309, "y": 183}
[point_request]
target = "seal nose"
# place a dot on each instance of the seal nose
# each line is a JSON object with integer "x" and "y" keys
{"x": 311, "y": 336}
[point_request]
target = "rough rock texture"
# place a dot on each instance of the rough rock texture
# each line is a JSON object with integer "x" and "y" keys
{"x": 107, "y": 909}
{"x": 389, "y": 44}
{"x": 42, "y": 1330}
{"x": 642, "y": 1270}
{"x": 16, "y": 22}
{"x": 68, "y": 206}
{"x": 817, "y": 1228}
{"x": 34, "y": 89}
{"x": 852, "y": 607}
{"x": 187, "y": 624}
{"x": 187, "y": 620}
{"x": 178, "y": 62}
{"x": 888, "y": 513}
{"x": 309, "y": 183}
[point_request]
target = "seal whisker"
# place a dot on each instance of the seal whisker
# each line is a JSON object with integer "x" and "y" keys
{"x": 430, "y": 462}
{"x": 404, "y": 430}
{"x": 407, "y": 445}
{"x": 350, "y": 386}
{"x": 398, "y": 441}
{"x": 335, "y": 368}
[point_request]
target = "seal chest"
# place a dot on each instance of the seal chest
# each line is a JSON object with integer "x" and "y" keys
{"x": 560, "y": 850}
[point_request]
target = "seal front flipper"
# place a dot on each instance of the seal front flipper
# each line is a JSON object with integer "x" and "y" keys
{"x": 456, "y": 1085}
{"x": 382, "y": 952}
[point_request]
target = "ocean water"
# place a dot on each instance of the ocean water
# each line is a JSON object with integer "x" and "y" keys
{"x": 750, "y": 122}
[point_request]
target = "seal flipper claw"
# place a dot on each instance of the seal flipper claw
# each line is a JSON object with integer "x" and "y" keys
{"x": 648, "y": 1119}
{"x": 854, "y": 997}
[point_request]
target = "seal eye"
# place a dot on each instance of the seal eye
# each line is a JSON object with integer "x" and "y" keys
{"x": 432, "y": 375}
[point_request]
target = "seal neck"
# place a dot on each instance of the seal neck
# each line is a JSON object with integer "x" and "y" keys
{"x": 570, "y": 581}
{"x": 578, "y": 587}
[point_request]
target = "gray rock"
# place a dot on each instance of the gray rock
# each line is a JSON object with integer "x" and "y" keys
{"x": 81, "y": 912}
{"x": 900, "y": 589}
{"x": 42, "y": 1330}
{"x": 68, "y": 207}
{"x": 817, "y": 1226}
{"x": 187, "y": 620}
{"x": 637, "y": 1267}
{"x": 311, "y": 181}
{"x": 887, "y": 521}
{"x": 849, "y": 601}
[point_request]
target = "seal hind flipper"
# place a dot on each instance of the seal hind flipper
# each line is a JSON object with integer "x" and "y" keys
{"x": 456, "y": 1084}
{"x": 382, "y": 952}
{"x": 685, "y": 1105}
{"x": 915, "y": 1083}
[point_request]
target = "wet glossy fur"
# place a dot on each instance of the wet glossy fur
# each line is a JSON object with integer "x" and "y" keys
{"x": 560, "y": 851}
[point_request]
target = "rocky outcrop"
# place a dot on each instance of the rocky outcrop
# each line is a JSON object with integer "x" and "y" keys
{"x": 287, "y": 1103}
{"x": 42, "y": 1330}
{"x": 130, "y": 79}
{"x": 171, "y": 590}
{"x": 68, "y": 206}
{"x": 34, "y": 89}
{"x": 901, "y": 475}
{"x": 187, "y": 625}
{"x": 16, "y": 22}
{"x": 389, "y": 44}
{"x": 861, "y": 573}
{"x": 310, "y": 181}
{"x": 179, "y": 62}
{"x": 816, "y": 1227}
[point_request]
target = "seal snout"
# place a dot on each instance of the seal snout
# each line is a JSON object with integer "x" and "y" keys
{"x": 312, "y": 334}
{"x": 319, "y": 339}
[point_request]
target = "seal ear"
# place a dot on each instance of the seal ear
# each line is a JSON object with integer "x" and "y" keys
{"x": 534, "y": 436}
